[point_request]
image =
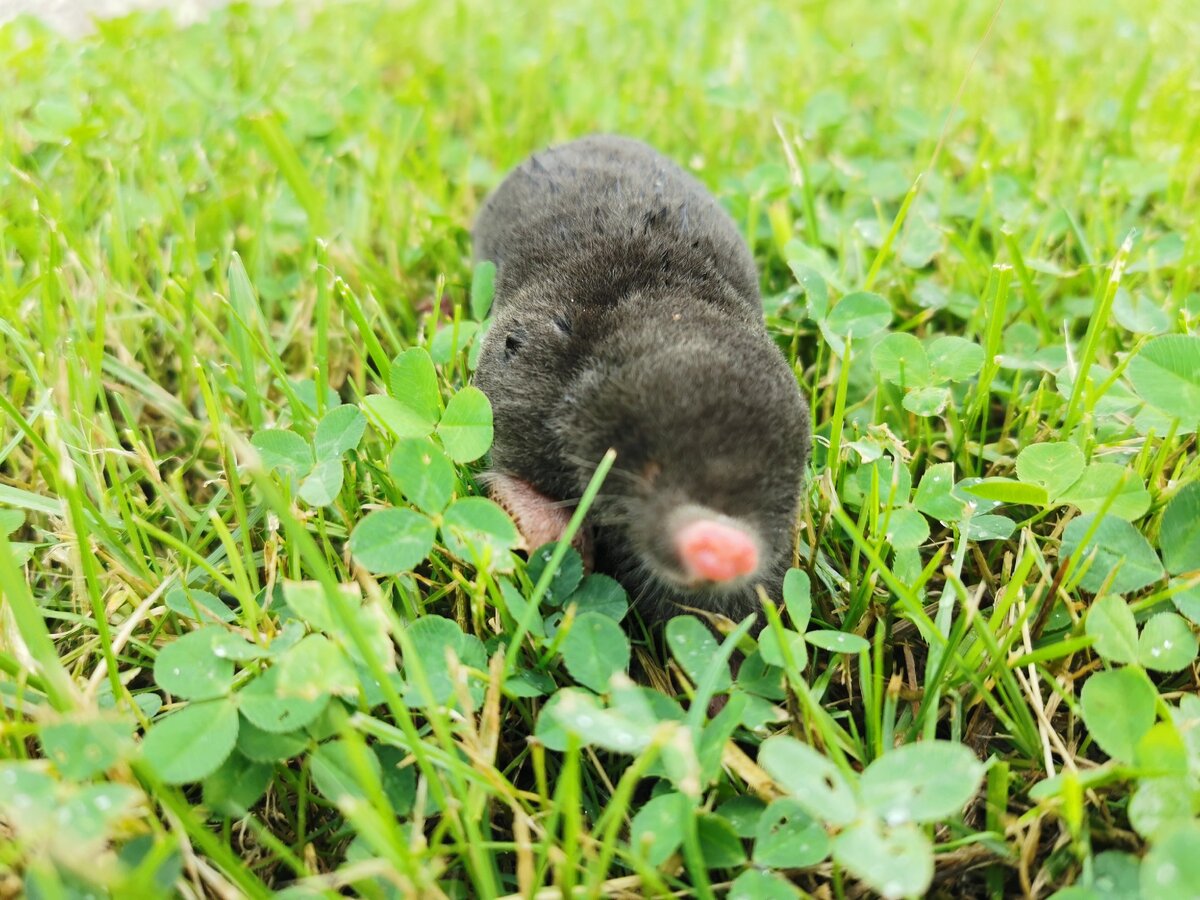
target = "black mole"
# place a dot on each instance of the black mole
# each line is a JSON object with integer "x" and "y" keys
{"x": 627, "y": 315}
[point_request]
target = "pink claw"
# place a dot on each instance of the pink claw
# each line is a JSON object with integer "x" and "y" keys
{"x": 539, "y": 519}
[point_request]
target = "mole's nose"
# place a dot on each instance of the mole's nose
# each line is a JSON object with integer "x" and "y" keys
{"x": 714, "y": 550}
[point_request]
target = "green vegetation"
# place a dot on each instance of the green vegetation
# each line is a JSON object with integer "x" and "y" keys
{"x": 259, "y": 632}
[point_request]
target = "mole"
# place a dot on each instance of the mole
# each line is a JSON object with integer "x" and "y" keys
{"x": 627, "y": 315}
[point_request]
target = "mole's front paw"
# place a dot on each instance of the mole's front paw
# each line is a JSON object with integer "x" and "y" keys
{"x": 539, "y": 519}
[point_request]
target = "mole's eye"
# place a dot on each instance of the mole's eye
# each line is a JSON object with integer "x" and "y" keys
{"x": 513, "y": 343}
{"x": 563, "y": 324}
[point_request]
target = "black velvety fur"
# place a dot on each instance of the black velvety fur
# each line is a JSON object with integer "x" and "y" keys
{"x": 627, "y": 315}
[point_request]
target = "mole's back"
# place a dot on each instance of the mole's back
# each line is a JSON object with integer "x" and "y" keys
{"x": 604, "y": 216}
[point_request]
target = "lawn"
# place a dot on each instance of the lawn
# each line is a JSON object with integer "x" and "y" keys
{"x": 261, "y": 633}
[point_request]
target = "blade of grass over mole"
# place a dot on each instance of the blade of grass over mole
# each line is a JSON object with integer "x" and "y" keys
{"x": 532, "y": 608}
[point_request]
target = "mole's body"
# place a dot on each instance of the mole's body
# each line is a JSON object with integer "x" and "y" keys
{"x": 627, "y": 315}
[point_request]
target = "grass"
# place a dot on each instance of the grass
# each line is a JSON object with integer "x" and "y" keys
{"x": 219, "y": 247}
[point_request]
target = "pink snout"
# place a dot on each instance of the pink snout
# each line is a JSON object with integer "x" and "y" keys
{"x": 713, "y": 550}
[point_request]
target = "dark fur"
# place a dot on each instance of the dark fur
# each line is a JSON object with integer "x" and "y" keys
{"x": 627, "y": 315}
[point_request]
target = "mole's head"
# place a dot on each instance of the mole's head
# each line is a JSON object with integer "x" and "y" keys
{"x": 711, "y": 437}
